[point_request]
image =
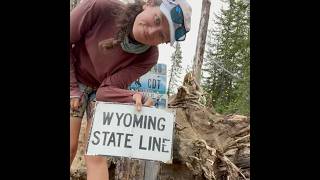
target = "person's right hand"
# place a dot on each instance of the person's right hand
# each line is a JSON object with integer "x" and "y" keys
{"x": 74, "y": 103}
{"x": 137, "y": 97}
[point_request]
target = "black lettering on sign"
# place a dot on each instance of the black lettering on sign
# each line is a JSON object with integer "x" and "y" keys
{"x": 125, "y": 122}
{"x": 150, "y": 141}
{"x": 149, "y": 83}
{"x": 145, "y": 122}
{"x": 158, "y": 84}
{"x": 107, "y": 117}
{"x": 119, "y": 118}
{"x": 136, "y": 122}
{"x": 157, "y": 143}
{"x": 140, "y": 144}
{"x": 105, "y": 137}
{"x": 163, "y": 144}
{"x": 127, "y": 140}
{"x": 95, "y": 135}
{"x": 119, "y": 139}
{"x": 152, "y": 122}
{"x": 162, "y": 125}
{"x": 112, "y": 139}
{"x": 154, "y": 83}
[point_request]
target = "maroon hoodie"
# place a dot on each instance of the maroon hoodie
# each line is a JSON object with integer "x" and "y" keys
{"x": 109, "y": 72}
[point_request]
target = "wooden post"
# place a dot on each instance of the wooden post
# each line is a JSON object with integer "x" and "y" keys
{"x": 151, "y": 170}
{"x": 129, "y": 169}
{"x": 202, "y": 34}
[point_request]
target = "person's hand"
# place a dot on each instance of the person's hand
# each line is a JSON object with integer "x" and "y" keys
{"x": 149, "y": 102}
{"x": 74, "y": 103}
{"x": 138, "y": 99}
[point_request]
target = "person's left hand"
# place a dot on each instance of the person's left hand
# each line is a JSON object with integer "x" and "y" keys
{"x": 149, "y": 102}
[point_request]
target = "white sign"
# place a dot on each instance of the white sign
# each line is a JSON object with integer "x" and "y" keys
{"x": 120, "y": 130}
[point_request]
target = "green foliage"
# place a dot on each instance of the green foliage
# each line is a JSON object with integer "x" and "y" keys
{"x": 227, "y": 84}
{"x": 175, "y": 71}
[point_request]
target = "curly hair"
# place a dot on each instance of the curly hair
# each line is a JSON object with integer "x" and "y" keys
{"x": 125, "y": 20}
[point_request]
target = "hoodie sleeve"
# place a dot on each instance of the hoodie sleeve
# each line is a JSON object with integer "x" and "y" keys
{"x": 82, "y": 18}
{"x": 114, "y": 88}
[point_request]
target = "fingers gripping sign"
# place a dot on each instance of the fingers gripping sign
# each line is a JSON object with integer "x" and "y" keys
{"x": 137, "y": 97}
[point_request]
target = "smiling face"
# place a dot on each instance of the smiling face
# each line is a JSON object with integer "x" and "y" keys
{"x": 151, "y": 27}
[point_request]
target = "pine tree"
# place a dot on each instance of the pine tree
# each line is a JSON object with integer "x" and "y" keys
{"x": 227, "y": 60}
{"x": 175, "y": 71}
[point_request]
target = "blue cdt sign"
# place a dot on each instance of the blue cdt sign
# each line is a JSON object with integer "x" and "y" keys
{"x": 154, "y": 85}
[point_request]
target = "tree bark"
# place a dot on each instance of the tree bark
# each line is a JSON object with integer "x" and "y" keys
{"x": 202, "y": 34}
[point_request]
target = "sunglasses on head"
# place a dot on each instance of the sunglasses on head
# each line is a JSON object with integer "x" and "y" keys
{"x": 178, "y": 18}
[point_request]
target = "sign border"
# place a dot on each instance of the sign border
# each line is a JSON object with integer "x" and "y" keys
{"x": 173, "y": 132}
